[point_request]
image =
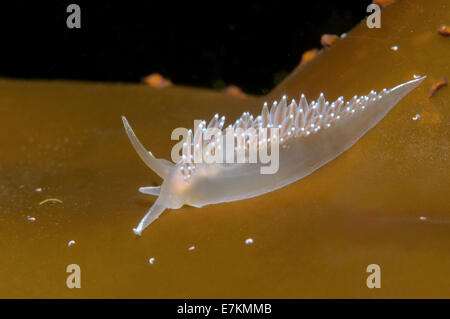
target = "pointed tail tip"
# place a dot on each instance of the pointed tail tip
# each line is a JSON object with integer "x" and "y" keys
{"x": 418, "y": 78}
{"x": 410, "y": 85}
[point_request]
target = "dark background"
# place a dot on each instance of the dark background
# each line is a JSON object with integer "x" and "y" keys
{"x": 211, "y": 44}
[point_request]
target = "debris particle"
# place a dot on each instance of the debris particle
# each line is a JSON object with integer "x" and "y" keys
{"x": 157, "y": 81}
{"x": 52, "y": 200}
{"x": 416, "y": 117}
{"x": 38, "y": 190}
{"x": 70, "y": 243}
{"x": 439, "y": 83}
{"x": 31, "y": 218}
{"x": 327, "y": 40}
{"x": 235, "y": 91}
{"x": 394, "y": 48}
{"x": 423, "y": 218}
{"x": 444, "y": 30}
{"x": 343, "y": 35}
{"x": 191, "y": 248}
{"x": 249, "y": 241}
{"x": 151, "y": 261}
{"x": 308, "y": 56}
{"x": 383, "y": 3}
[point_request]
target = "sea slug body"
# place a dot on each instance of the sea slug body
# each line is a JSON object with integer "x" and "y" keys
{"x": 310, "y": 135}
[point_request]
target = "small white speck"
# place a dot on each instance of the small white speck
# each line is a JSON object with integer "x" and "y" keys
{"x": 151, "y": 261}
{"x": 31, "y": 218}
{"x": 191, "y": 248}
{"x": 394, "y": 48}
{"x": 249, "y": 241}
{"x": 416, "y": 117}
{"x": 416, "y": 76}
{"x": 423, "y": 218}
{"x": 70, "y": 243}
{"x": 38, "y": 190}
{"x": 343, "y": 35}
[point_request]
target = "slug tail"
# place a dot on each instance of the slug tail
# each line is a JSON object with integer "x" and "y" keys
{"x": 159, "y": 166}
{"x": 404, "y": 88}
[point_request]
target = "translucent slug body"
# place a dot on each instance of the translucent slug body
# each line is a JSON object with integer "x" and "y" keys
{"x": 310, "y": 135}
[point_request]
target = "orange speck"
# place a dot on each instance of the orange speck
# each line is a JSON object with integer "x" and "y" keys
{"x": 383, "y": 3}
{"x": 436, "y": 85}
{"x": 235, "y": 91}
{"x": 327, "y": 40}
{"x": 308, "y": 56}
{"x": 157, "y": 81}
{"x": 444, "y": 29}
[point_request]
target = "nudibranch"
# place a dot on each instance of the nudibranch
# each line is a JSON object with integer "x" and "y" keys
{"x": 310, "y": 135}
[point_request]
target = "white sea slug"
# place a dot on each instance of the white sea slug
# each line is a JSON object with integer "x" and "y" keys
{"x": 310, "y": 135}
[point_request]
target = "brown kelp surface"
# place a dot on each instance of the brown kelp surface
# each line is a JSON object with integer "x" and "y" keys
{"x": 314, "y": 238}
